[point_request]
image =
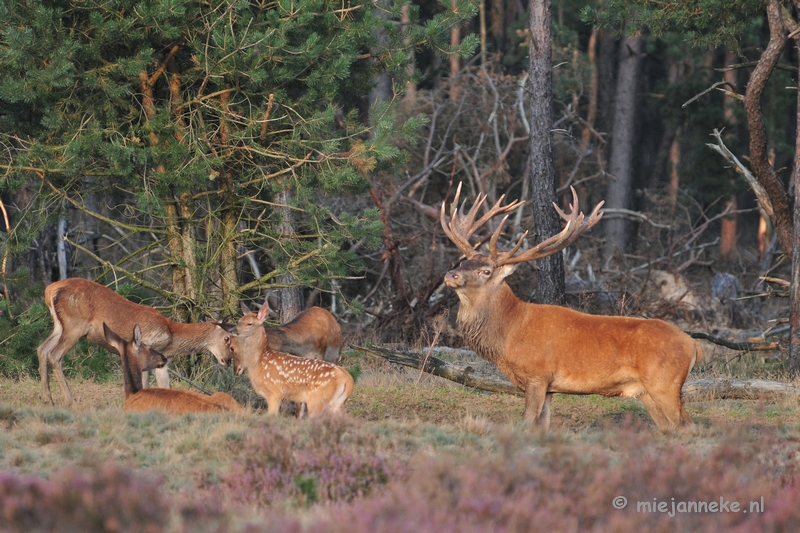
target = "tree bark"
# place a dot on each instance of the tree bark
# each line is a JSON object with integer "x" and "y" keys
{"x": 622, "y": 145}
{"x": 728, "y": 231}
{"x": 759, "y": 161}
{"x": 794, "y": 289}
{"x": 291, "y": 298}
{"x": 550, "y": 270}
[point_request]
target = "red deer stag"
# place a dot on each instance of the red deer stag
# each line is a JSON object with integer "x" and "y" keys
{"x": 279, "y": 376}
{"x": 138, "y": 357}
{"x": 314, "y": 333}
{"x": 79, "y": 307}
{"x": 547, "y": 349}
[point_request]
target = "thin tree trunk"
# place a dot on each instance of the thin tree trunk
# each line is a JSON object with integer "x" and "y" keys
{"x": 674, "y": 176}
{"x": 229, "y": 222}
{"x": 61, "y": 248}
{"x": 591, "y": 112}
{"x": 623, "y": 145}
{"x": 455, "y": 61}
{"x": 759, "y": 162}
{"x": 728, "y": 231}
{"x": 411, "y": 87}
{"x": 550, "y": 273}
{"x": 794, "y": 290}
{"x": 291, "y": 298}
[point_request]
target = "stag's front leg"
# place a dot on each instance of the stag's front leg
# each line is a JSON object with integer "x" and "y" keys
{"x": 537, "y": 405}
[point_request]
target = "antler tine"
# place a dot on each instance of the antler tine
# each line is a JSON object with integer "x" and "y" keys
{"x": 461, "y": 226}
{"x": 576, "y": 225}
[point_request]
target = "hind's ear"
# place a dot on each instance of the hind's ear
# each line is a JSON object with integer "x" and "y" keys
{"x": 113, "y": 339}
{"x": 245, "y": 310}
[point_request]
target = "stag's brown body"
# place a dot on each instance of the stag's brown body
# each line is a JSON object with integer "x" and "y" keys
{"x": 546, "y": 349}
{"x": 79, "y": 308}
{"x": 278, "y": 376}
{"x": 314, "y": 333}
{"x": 138, "y": 357}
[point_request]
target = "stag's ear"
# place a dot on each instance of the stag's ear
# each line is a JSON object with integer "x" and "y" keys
{"x": 245, "y": 309}
{"x": 137, "y": 336}
{"x": 113, "y": 339}
{"x": 503, "y": 271}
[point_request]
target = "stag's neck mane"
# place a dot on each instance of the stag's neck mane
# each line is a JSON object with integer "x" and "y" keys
{"x": 483, "y": 323}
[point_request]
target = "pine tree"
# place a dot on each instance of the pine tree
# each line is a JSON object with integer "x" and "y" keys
{"x": 193, "y": 117}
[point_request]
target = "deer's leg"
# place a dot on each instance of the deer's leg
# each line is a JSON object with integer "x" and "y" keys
{"x": 315, "y": 407}
{"x": 655, "y": 411}
{"x": 162, "y": 376}
{"x": 273, "y": 404}
{"x": 537, "y": 404}
{"x": 686, "y": 420}
{"x": 43, "y": 371}
{"x": 52, "y": 351}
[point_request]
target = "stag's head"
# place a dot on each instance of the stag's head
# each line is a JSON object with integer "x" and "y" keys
{"x": 479, "y": 275}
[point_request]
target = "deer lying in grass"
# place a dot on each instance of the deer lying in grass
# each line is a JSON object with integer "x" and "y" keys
{"x": 314, "y": 333}
{"x": 547, "y": 349}
{"x": 137, "y": 357}
{"x": 279, "y": 376}
{"x": 79, "y": 308}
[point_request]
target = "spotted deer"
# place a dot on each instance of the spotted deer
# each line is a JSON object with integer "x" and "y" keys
{"x": 137, "y": 357}
{"x": 548, "y": 349}
{"x": 79, "y": 308}
{"x": 278, "y": 376}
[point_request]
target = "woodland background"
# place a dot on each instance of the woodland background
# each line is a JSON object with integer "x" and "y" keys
{"x": 192, "y": 155}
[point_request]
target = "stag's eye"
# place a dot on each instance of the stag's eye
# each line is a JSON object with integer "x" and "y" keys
{"x": 486, "y": 273}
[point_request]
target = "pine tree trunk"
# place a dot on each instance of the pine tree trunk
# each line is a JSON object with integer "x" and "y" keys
{"x": 728, "y": 231}
{"x": 550, "y": 286}
{"x": 622, "y": 145}
{"x": 794, "y": 290}
{"x": 291, "y": 298}
{"x": 591, "y": 112}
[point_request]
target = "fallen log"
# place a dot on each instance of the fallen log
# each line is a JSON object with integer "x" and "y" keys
{"x": 485, "y": 376}
{"x": 738, "y": 388}
{"x": 465, "y": 374}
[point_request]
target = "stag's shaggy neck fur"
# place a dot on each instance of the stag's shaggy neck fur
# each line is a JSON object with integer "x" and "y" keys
{"x": 483, "y": 321}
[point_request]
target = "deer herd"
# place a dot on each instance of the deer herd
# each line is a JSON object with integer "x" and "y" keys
{"x": 542, "y": 349}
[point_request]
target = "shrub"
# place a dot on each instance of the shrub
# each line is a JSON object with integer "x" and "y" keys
{"x": 111, "y": 499}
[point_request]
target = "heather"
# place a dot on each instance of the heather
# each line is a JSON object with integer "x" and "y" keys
{"x": 410, "y": 455}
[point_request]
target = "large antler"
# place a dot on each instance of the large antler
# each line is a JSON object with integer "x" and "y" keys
{"x": 460, "y": 229}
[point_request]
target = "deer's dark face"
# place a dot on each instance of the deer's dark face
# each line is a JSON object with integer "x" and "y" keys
{"x": 149, "y": 358}
{"x": 477, "y": 280}
{"x": 471, "y": 273}
{"x": 136, "y": 351}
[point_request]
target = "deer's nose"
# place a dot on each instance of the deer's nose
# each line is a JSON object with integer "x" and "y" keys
{"x": 452, "y": 279}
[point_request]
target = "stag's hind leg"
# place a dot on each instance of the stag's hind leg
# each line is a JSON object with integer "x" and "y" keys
{"x": 668, "y": 403}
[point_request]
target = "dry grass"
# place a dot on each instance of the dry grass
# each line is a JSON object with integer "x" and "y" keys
{"x": 248, "y": 466}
